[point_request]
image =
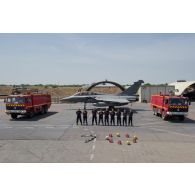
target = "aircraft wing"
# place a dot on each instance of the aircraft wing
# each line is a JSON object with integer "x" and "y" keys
{"x": 112, "y": 100}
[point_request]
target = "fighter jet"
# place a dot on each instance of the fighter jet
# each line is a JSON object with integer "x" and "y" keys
{"x": 106, "y": 100}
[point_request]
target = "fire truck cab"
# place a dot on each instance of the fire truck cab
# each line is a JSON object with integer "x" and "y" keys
{"x": 168, "y": 106}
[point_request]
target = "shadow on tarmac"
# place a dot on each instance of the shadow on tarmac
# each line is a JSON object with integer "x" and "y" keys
{"x": 35, "y": 118}
{"x": 187, "y": 120}
{"x": 142, "y": 110}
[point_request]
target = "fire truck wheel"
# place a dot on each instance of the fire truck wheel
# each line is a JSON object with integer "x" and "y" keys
{"x": 31, "y": 114}
{"x": 181, "y": 118}
{"x": 155, "y": 111}
{"x": 45, "y": 109}
{"x": 157, "y": 114}
{"x": 164, "y": 115}
{"x": 14, "y": 116}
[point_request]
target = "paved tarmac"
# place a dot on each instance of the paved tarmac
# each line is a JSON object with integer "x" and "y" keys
{"x": 54, "y": 138}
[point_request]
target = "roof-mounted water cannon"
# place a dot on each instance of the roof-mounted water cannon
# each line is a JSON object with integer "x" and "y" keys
{"x": 27, "y": 91}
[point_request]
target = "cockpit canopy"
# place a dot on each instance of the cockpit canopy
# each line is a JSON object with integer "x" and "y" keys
{"x": 85, "y": 93}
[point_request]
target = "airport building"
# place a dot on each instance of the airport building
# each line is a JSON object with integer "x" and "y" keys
{"x": 145, "y": 92}
{"x": 181, "y": 87}
{"x": 185, "y": 88}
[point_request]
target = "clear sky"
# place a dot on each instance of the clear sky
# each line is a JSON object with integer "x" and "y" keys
{"x": 87, "y": 58}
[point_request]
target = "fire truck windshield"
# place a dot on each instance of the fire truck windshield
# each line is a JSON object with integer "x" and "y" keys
{"x": 18, "y": 100}
{"x": 178, "y": 101}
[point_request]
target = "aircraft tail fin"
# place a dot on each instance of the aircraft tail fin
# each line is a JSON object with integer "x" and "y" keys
{"x": 133, "y": 89}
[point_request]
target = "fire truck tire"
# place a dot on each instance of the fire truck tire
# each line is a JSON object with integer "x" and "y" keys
{"x": 155, "y": 111}
{"x": 14, "y": 116}
{"x": 181, "y": 118}
{"x": 164, "y": 116}
{"x": 45, "y": 110}
{"x": 31, "y": 114}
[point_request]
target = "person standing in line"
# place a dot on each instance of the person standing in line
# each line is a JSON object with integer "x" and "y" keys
{"x": 112, "y": 120}
{"x": 85, "y": 118}
{"x": 118, "y": 114}
{"x": 94, "y": 116}
{"x": 79, "y": 117}
{"x": 101, "y": 115}
{"x": 130, "y": 122}
{"x": 106, "y": 117}
{"x": 125, "y": 118}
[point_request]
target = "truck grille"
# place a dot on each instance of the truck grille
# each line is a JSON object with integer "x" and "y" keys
{"x": 178, "y": 108}
{"x": 15, "y": 107}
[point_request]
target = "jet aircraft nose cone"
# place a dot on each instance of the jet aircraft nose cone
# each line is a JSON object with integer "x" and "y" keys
{"x": 65, "y": 99}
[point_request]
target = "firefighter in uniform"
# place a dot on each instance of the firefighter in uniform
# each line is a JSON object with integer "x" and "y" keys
{"x": 118, "y": 114}
{"x": 112, "y": 116}
{"x": 106, "y": 117}
{"x": 85, "y": 118}
{"x": 94, "y": 116}
{"x": 101, "y": 116}
{"x": 79, "y": 114}
{"x": 125, "y": 118}
{"x": 130, "y": 122}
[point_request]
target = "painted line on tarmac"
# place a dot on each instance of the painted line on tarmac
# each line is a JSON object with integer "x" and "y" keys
{"x": 173, "y": 132}
{"x": 93, "y": 148}
{"x": 91, "y": 157}
{"x": 8, "y": 127}
{"x": 29, "y": 127}
{"x": 36, "y": 126}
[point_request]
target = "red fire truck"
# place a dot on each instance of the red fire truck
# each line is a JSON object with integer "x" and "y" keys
{"x": 27, "y": 104}
{"x": 169, "y": 106}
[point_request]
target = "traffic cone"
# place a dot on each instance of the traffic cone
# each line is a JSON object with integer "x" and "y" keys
{"x": 135, "y": 139}
{"x": 127, "y": 135}
{"x": 119, "y": 142}
{"x": 128, "y": 143}
{"x": 118, "y": 135}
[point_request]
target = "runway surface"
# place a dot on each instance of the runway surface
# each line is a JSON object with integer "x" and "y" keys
{"x": 55, "y": 138}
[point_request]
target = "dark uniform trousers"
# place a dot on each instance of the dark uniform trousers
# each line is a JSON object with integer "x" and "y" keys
{"x": 106, "y": 121}
{"x": 131, "y": 121}
{"x": 101, "y": 120}
{"x": 124, "y": 121}
{"x": 130, "y": 118}
{"x": 112, "y": 121}
{"x": 118, "y": 121}
{"x": 79, "y": 119}
{"x": 85, "y": 120}
{"x": 94, "y": 119}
